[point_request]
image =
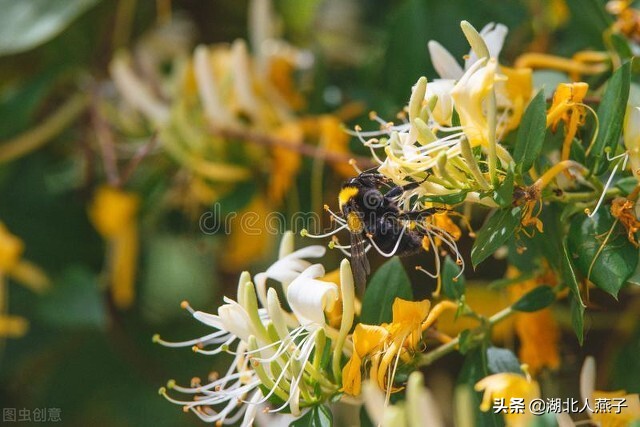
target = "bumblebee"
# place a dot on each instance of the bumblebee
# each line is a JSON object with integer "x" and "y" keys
{"x": 373, "y": 217}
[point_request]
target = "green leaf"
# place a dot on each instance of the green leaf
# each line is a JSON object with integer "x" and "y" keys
{"x": 536, "y": 299}
{"x": 634, "y": 279}
{"x": 473, "y": 370}
{"x": 620, "y": 45}
{"x": 494, "y": 233}
{"x": 577, "y": 318}
{"x": 26, "y": 24}
{"x": 503, "y": 195}
{"x": 502, "y": 360}
{"x": 627, "y": 184}
{"x": 452, "y": 287}
{"x": 577, "y": 306}
{"x": 602, "y": 252}
{"x": 447, "y": 199}
{"x": 611, "y": 115}
{"x": 387, "y": 284}
{"x": 531, "y": 134}
{"x": 318, "y": 416}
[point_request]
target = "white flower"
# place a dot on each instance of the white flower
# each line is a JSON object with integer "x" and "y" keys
{"x": 418, "y": 410}
{"x": 447, "y": 66}
{"x": 273, "y": 348}
{"x": 306, "y": 291}
{"x": 289, "y": 265}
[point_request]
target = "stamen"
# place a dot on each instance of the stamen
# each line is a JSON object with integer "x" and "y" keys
{"x": 604, "y": 191}
{"x": 395, "y": 248}
{"x": 305, "y": 233}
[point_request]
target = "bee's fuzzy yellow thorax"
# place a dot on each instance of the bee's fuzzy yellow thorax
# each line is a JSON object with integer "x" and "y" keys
{"x": 345, "y": 195}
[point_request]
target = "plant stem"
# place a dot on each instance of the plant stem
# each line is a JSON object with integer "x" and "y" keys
{"x": 443, "y": 350}
{"x": 46, "y": 131}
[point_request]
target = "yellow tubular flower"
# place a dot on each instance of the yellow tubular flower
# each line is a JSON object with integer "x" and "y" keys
{"x": 567, "y": 107}
{"x": 582, "y": 64}
{"x": 628, "y": 413}
{"x": 631, "y": 137}
{"x": 607, "y": 416}
{"x": 623, "y": 210}
{"x": 469, "y": 95}
{"x": 538, "y": 332}
{"x": 248, "y": 240}
{"x": 518, "y": 88}
{"x": 12, "y": 265}
{"x": 387, "y": 344}
{"x": 113, "y": 214}
{"x": 335, "y": 140}
{"x": 366, "y": 340}
{"x": 506, "y": 386}
{"x": 285, "y": 162}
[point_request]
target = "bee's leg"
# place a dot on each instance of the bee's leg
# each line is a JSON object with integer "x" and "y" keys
{"x": 396, "y": 191}
{"x": 418, "y": 215}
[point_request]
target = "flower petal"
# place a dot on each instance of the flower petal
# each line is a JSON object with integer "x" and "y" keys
{"x": 444, "y": 63}
{"x": 309, "y": 297}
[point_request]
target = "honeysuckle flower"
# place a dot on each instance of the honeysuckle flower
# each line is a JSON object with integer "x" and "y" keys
{"x": 447, "y": 66}
{"x": 569, "y": 108}
{"x": 628, "y": 412}
{"x": 418, "y": 410}
{"x": 291, "y": 263}
{"x": 427, "y": 149}
{"x": 627, "y": 19}
{"x": 631, "y": 137}
{"x": 538, "y": 332}
{"x": 113, "y": 213}
{"x": 469, "y": 96}
{"x": 512, "y": 92}
{"x": 13, "y": 266}
{"x": 277, "y": 353}
{"x": 507, "y": 385}
{"x": 387, "y": 344}
{"x": 245, "y": 245}
{"x": 624, "y": 210}
{"x": 583, "y": 63}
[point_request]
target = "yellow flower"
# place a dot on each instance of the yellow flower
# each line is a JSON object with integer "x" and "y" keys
{"x": 486, "y": 302}
{"x": 366, "y": 340}
{"x": 248, "y": 240}
{"x": 628, "y": 411}
{"x": 623, "y": 209}
{"x": 518, "y": 88}
{"x": 443, "y": 221}
{"x": 113, "y": 214}
{"x": 568, "y": 107}
{"x": 469, "y": 96}
{"x": 334, "y": 314}
{"x": 285, "y": 162}
{"x": 507, "y": 386}
{"x": 385, "y": 345}
{"x": 631, "y": 137}
{"x": 538, "y": 332}
{"x": 12, "y": 265}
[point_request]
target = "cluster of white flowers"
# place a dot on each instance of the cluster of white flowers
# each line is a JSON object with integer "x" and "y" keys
{"x": 447, "y": 118}
{"x": 277, "y": 353}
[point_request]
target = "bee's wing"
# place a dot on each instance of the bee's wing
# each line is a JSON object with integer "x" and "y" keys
{"x": 359, "y": 261}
